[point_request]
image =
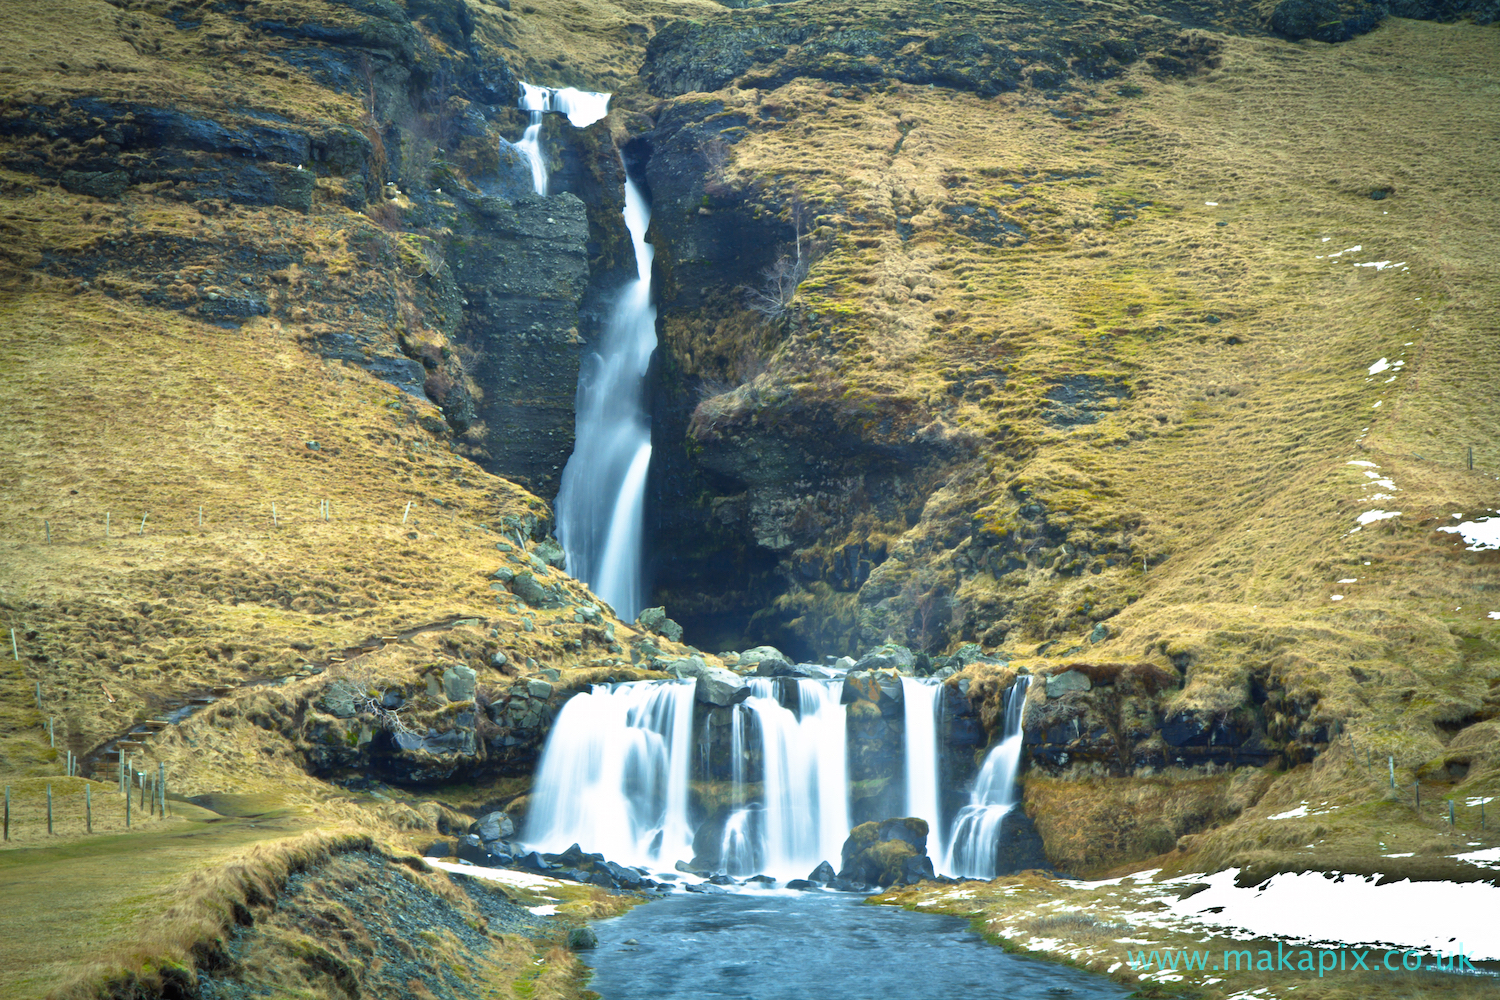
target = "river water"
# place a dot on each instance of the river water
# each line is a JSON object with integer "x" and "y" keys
{"x": 818, "y": 945}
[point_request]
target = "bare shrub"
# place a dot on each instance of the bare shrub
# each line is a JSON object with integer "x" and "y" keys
{"x": 778, "y": 286}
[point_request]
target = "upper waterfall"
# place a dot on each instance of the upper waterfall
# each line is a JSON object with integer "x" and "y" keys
{"x": 601, "y": 504}
{"x": 582, "y": 107}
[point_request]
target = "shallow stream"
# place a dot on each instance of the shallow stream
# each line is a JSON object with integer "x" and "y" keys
{"x": 826, "y": 946}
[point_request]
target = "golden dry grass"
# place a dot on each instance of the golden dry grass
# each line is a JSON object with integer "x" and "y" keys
{"x": 91, "y": 908}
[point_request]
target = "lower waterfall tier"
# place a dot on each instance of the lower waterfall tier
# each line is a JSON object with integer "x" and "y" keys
{"x": 646, "y": 775}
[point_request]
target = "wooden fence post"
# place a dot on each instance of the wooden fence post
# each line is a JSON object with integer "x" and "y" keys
{"x": 161, "y": 785}
{"x": 49, "y": 809}
{"x": 7, "y": 812}
{"x": 127, "y": 807}
{"x": 88, "y": 808}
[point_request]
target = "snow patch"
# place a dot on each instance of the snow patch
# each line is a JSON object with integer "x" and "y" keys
{"x": 1483, "y": 533}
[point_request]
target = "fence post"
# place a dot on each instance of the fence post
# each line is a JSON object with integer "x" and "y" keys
{"x": 161, "y": 785}
{"x": 1392, "y": 762}
{"x": 88, "y": 808}
{"x": 51, "y": 737}
{"x": 38, "y": 696}
{"x": 7, "y": 812}
{"x": 127, "y": 807}
{"x": 143, "y": 523}
{"x": 15, "y": 654}
{"x": 1417, "y": 788}
{"x": 49, "y": 809}
{"x": 48, "y": 526}
{"x": 1450, "y": 813}
{"x": 274, "y": 523}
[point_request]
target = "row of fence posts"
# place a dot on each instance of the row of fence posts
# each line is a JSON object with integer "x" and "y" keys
{"x": 1416, "y": 790}
{"x": 147, "y": 783}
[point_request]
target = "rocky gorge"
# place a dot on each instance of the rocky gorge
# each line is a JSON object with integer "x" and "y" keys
{"x": 1139, "y": 354}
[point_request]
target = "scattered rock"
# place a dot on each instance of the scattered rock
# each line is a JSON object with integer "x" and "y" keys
{"x": 768, "y": 657}
{"x": 716, "y": 686}
{"x": 801, "y": 883}
{"x": 458, "y": 683}
{"x": 656, "y": 620}
{"x": 1066, "y": 683}
{"x": 538, "y": 688}
{"x": 494, "y": 826}
{"x": 582, "y": 939}
{"x": 707, "y": 888}
{"x": 341, "y": 699}
{"x": 888, "y": 657}
{"x": 550, "y": 553}
{"x": 823, "y": 873}
{"x": 1100, "y": 633}
{"x": 499, "y": 659}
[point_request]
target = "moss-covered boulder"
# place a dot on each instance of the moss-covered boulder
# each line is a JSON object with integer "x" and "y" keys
{"x": 881, "y": 853}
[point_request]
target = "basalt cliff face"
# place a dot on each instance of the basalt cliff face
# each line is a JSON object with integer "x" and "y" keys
{"x": 1143, "y": 349}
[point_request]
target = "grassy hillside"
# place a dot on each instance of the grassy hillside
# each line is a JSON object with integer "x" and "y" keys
{"x": 1117, "y": 323}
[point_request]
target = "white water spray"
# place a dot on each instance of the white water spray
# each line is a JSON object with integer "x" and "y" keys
{"x": 601, "y": 503}
{"x": 976, "y": 829}
{"x": 582, "y": 107}
{"x": 804, "y": 818}
{"x": 922, "y": 703}
{"x": 614, "y": 776}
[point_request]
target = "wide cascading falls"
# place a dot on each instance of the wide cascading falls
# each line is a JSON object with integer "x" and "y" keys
{"x": 802, "y": 817}
{"x": 978, "y": 825}
{"x": 922, "y": 705}
{"x": 601, "y": 504}
{"x": 614, "y": 775}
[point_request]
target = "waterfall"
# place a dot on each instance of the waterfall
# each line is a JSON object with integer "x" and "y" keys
{"x": 601, "y": 503}
{"x": 582, "y": 108}
{"x": 922, "y": 703}
{"x": 976, "y": 829}
{"x": 804, "y": 816}
{"x": 614, "y": 775}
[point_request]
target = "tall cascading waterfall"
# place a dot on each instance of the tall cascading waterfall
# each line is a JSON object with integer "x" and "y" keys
{"x": 976, "y": 829}
{"x": 803, "y": 816}
{"x": 601, "y": 504}
{"x": 922, "y": 706}
{"x": 614, "y": 775}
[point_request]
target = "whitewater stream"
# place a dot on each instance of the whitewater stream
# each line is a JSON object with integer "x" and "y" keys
{"x": 773, "y": 945}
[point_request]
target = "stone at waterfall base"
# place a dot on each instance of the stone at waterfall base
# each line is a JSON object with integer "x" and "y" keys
{"x": 890, "y": 853}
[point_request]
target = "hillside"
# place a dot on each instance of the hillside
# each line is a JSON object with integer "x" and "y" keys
{"x": 1151, "y": 344}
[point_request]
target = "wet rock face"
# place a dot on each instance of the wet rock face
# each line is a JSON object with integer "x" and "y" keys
{"x": 523, "y": 267}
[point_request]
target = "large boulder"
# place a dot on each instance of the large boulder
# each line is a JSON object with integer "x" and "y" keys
{"x": 458, "y": 683}
{"x": 494, "y": 826}
{"x": 656, "y": 620}
{"x": 716, "y": 686}
{"x": 879, "y": 853}
{"x": 1067, "y": 682}
{"x": 888, "y": 657}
